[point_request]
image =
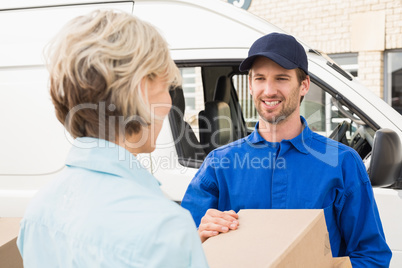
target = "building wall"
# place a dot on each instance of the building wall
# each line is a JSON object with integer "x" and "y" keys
{"x": 333, "y": 26}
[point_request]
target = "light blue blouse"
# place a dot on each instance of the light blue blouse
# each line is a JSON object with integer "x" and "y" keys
{"x": 106, "y": 210}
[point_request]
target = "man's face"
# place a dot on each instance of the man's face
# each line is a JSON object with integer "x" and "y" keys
{"x": 276, "y": 91}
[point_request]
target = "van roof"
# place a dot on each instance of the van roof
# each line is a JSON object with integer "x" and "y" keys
{"x": 207, "y": 29}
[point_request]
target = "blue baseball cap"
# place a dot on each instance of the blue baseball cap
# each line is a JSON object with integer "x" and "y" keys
{"x": 281, "y": 48}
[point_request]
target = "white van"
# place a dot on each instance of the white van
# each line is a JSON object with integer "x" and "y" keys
{"x": 208, "y": 40}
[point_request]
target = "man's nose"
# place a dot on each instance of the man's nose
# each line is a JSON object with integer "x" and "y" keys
{"x": 270, "y": 88}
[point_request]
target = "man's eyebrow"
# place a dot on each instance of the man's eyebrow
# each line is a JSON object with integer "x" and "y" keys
{"x": 258, "y": 74}
{"x": 286, "y": 75}
{"x": 277, "y": 75}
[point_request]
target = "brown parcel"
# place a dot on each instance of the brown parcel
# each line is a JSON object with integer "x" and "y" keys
{"x": 9, "y": 255}
{"x": 274, "y": 238}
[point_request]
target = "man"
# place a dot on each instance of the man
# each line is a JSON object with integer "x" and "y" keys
{"x": 284, "y": 165}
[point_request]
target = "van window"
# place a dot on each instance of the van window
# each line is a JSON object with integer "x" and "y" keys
{"x": 240, "y": 83}
{"x": 193, "y": 95}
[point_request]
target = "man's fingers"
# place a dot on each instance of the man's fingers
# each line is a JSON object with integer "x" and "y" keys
{"x": 225, "y": 223}
{"x": 214, "y": 227}
{"x": 232, "y": 213}
{"x": 215, "y": 222}
{"x": 208, "y": 230}
{"x": 226, "y": 215}
{"x": 227, "y": 220}
{"x": 204, "y": 235}
{"x": 209, "y": 233}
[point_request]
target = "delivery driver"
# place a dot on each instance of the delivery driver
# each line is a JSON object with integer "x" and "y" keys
{"x": 285, "y": 165}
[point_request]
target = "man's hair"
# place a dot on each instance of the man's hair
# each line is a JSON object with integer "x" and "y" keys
{"x": 96, "y": 65}
{"x": 301, "y": 76}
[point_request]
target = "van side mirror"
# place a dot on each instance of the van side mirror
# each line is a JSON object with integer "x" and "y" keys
{"x": 386, "y": 158}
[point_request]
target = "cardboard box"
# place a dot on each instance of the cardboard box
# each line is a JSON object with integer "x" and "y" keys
{"x": 9, "y": 254}
{"x": 274, "y": 238}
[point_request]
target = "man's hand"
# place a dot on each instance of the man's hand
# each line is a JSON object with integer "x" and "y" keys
{"x": 215, "y": 222}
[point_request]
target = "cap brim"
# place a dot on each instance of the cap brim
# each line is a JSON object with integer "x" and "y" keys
{"x": 285, "y": 63}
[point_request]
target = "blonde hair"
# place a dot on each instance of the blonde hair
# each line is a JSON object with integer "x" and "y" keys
{"x": 96, "y": 65}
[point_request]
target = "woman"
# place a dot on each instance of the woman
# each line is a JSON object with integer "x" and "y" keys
{"x": 110, "y": 75}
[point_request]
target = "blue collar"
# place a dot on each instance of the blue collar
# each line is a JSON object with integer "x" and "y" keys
{"x": 299, "y": 142}
{"x": 107, "y": 157}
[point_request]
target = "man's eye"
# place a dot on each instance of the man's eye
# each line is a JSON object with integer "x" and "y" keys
{"x": 282, "y": 78}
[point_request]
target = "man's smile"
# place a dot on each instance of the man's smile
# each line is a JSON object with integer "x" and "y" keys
{"x": 271, "y": 103}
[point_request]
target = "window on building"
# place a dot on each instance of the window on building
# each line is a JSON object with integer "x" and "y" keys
{"x": 393, "y": 79}
{"x": 347, "y": 61}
